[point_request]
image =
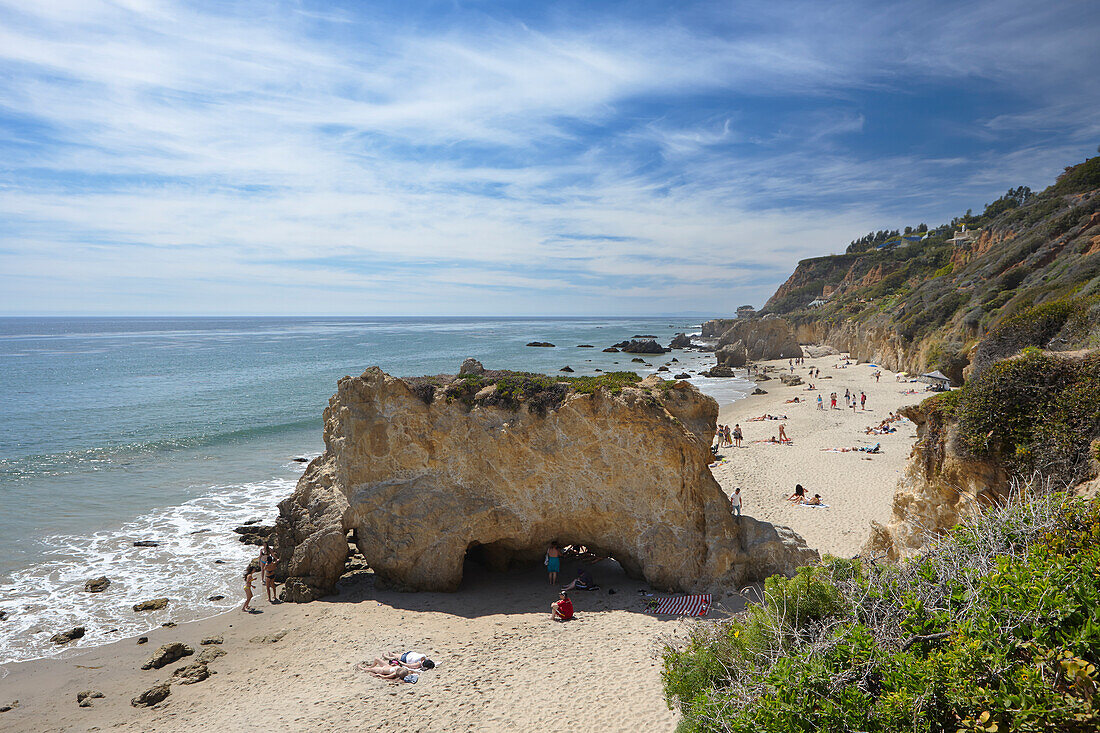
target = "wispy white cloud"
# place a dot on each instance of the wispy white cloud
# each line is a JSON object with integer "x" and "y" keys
{"x": 262, "y": 157}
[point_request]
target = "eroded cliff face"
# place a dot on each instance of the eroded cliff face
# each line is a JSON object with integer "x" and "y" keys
{"x": 942, "y": 485}
{"x": 424, "y": 478}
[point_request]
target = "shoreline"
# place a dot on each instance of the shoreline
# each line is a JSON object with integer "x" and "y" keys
{"x": 502, "y": 663}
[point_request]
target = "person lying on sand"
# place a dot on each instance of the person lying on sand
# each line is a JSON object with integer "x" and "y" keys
{"x": 793, "y": 399}
{"x": 389, "y": 672}
{"x": 816, "y": 501}
{"x": 562, "y": 609}
{"x": 766, "y": 416}
{"x": 583, "y": 581}
{"x": 412, "y": 660}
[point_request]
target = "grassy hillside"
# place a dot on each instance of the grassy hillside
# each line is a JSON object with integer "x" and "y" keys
{"x": 1029, "y": 251}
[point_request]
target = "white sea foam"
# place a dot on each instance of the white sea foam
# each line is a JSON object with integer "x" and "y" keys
{"x": 49, "y": 596}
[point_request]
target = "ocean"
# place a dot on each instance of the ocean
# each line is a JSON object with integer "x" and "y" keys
{"x": 176, "y": 430}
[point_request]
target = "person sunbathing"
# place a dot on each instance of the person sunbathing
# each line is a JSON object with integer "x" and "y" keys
{"x": 799, "y": 495}
{"x": 412, "y": 660}
{"x": 793, "y": 399}
{"x": 388, "y": 671}
{"x": 816, "y": 501}
{"x": 562, "y": 609}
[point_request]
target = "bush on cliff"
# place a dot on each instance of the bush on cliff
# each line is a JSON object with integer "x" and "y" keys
{"x": 992, "y": 629}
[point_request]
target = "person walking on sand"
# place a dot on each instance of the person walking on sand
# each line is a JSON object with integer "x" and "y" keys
{"x": 248, "y": 580}
{"x": 783, "y": 434}
{"x": 735, "y": 502}
{"x": 863, "y": 400}
{"x": 738, "y": 436}
{"x": 553, "y": 562}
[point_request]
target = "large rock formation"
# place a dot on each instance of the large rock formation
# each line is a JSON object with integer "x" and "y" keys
{"x": 941, "y": 486}
{"x": 762, "y": 338}
{"x": 426, "y": 471}
{"x": 732, "y": 355}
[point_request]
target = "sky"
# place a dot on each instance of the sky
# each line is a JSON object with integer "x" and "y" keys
{"x": 506, "y": 158}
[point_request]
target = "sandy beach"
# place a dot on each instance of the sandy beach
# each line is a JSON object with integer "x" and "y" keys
{"x": 503, "y": 665}
{"x": 858, "y": 487}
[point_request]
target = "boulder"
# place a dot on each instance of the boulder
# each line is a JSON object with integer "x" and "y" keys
{"x": 791, "y": 380}
{"x": 764, "y": 338}
{"x": 423, "y": 485}
{"x": 662, "y": 369}
{"x": 636, "y": 346}
{"x": 190, "y": 674}
{"x": 84, "y": 697}
{"x": 64, "y": 637}
{"x": 682, "y": 375}
{"x": 680, "y": 341}
{"x": 216, "y": 597}
{"x": 97, "y": 585}
{"x": 759, "y": 391}
{"x": 719, "y": 371}
{"x": 168, "y": 653}
{"x": 209, "y": 654}
{"x": 212, "y": 640}
{"x": 3, "y": 615}
{"x": 146, "y": 543}
{"x": 566, "y": 369}
{"x": 254, "y": 534}
{"x": 154, "y": 605}
{"x": 817, "y": 351}
{"x": 471, "y": 367}
{"x": 152, "y": 696}
{"x": 300, "y": 459}
{"x": 269, "y": 638}
{"x": 732, "y": 355}
{"x": 542, "y": 344}
{"x": 8, "y": 707}
{"x": 638, "y": 360}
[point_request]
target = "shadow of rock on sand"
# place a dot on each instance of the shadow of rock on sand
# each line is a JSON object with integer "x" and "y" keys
{"x": 486, "y": 592}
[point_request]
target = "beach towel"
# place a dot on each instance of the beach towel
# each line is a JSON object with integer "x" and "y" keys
{"x": 814, "y": 506}
{"x": 680, "y": 605}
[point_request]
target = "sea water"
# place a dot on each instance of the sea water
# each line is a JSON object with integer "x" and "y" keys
{"x": 177, "y": 430}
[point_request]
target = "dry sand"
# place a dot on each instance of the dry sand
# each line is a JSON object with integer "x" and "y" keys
{"x": 858, "y": 487}
{"x": 503, "y": 664}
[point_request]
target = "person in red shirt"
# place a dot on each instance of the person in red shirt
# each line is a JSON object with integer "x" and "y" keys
{"x": 562, "y": 609}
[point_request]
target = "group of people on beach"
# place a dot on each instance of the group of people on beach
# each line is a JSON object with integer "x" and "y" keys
{"x": 562, "y": 609}
{"x": 266, "y": 561}
{"x": 729, "y": 437}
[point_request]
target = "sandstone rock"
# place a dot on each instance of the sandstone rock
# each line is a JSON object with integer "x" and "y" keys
{"x": 424, "y": 483}
{"x": 209, "y": 654}
{"x": 146, "y": 543}
{"x": 732, "y": 355}
{"x": 167, "y": 654}
{"x": 471, "y": 366}
{"x": 680, "y": 341}
{"x": 269, "y": 638}
{"x": 543, "y": 344}
{"x": 84, "y": 698}
{"x": 791, "y": 380}
{"x": 64, "y": 637}
{"x": 154, "y": 605}
{"x": 763, "y": 338}
{"x": 611, "y": 350}
{"x": 817, "y": 351}
{"x": 97, "y": 585}
{"x": 212, "y": 640}
{"x": 716, "y": 327}
{"x": 190, "y": 674}
{"x": 152, "y": 696}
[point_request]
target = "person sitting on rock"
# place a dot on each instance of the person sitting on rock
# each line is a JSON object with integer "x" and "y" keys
{"x": 562, "y": 609}
{"x": 583, "y": 581}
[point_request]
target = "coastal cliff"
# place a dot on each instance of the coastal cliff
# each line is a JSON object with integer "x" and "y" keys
{"x": 494, "y": 465}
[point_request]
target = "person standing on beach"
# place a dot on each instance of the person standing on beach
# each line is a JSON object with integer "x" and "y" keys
{"x": 783, "y": 434}
{"x": 269, "y": 576}
{"x": 863, "y": 400}
{"x": 735, "y": 501}
{"x": 833, "y": 398}
{"x": 820, "y": 403}
{"x": 553, "y": 562}
{"x": 737, "y": 435}
{"x": 247, "y": 590}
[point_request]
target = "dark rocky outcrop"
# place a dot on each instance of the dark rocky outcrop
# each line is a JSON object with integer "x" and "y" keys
{"x": 146, "y": 543}
{"x": 254, "y": 534}
{"x": 719, "y": 371}
{"x": 611, "y": 350}
{"x": 64, "y": 637}
{"x": 168, "y": 653}
{"x": 97, "y": 585}
{"x": 680, "y": 341}
{"x": 155, "y": 694}
{"x": 636, "y": 346}
{"x": 566, "y": 369}
{"x": 155, "y": 604}
{"x": 682, "y": 375}
{"x": 542, "y": 344}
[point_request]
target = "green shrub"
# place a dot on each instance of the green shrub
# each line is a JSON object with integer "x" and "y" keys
{"x": 992, "y": 629}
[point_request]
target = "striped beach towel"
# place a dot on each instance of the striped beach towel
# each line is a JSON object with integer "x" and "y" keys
{"x": 682, "y": 605}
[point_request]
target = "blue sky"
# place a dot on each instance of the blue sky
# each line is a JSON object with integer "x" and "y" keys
{"x": 466, "y": 158}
